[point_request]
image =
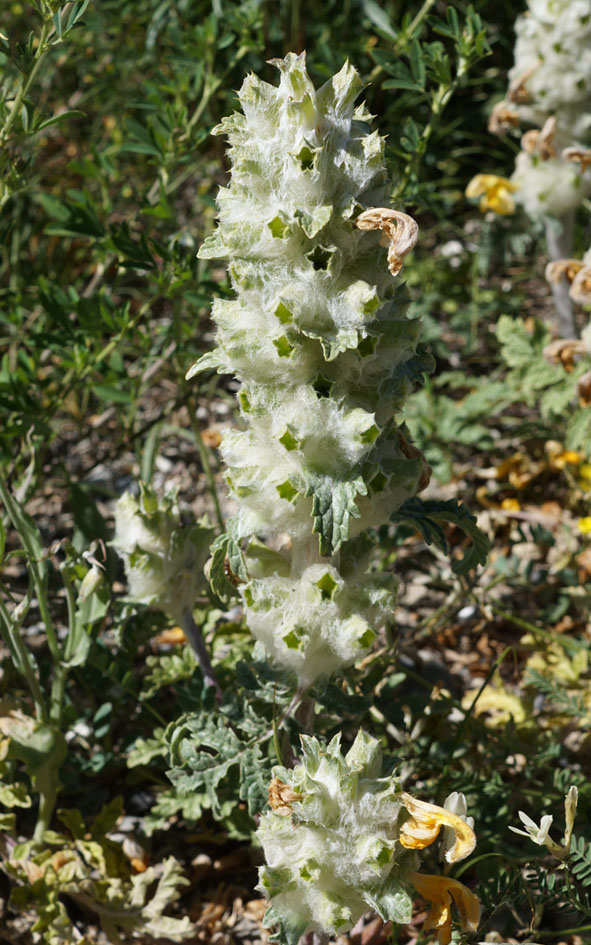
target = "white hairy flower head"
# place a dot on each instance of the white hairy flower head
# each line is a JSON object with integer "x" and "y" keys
{"x": 549, "y": 187}
{"x": 163, "y": 560}
{"x": 319, "y": 339}
{"x": 340, "y": 839}
{"x": 552, "y": 70}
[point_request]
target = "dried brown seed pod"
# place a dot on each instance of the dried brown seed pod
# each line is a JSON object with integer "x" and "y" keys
{"x": 557, "y": 269}
{"x": 502, "y": 118}
{"x": 563, "y": 351}
{"x": 518, "y": 91}
{"x": 578, "y": 155}
{"x": 541, "y": 142}
{"x": 584, "y": 389}
{"x": 281, "y": 797}
{"x": 400, "y": 230}
{"x": 580, "y": 290}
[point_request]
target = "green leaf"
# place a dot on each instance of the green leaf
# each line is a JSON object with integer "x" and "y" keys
{"x": 167, "y": 670}
{"x": 519, "y": 346}
{"x": 578, "y": 430}
{"x": 146, "y": 749}
{"x": 417, "y": 63}
{"x": 226, "y": 556}
{"x": 426, "y": 515}
{"x": 392, "y": 903}
{"x": 379, "y": 18}
{"x": 208, "y": 361}
{"x": 333, "y": 507}
{"x": 255, "y": 775}
{"x": 7, "y": 823}
{"x": 14, "y": 795}
{"x": 57, "y": 119}
{"x": 204, "y": 749}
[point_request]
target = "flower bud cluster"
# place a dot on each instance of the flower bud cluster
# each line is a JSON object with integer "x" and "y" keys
{"x": 163, "y": 560}
{"x": 319, "y": 339}
{"x": 340, "y": 839}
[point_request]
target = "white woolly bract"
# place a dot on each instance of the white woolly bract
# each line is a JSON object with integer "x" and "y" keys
{"x": 316, "y": 622}
{"x": 338, "y": 845}
{"x": 553, "y": 59}
{"x": 163, "y": 561}
{"x": 551, "y": 187}
{"x": 320, "y": 341}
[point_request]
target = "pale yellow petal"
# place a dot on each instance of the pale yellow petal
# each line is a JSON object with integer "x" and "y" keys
{"x": 440, "y": 890}
{"x": 466, "y": 903}
{"x": 425, "y": 823}
{"x": 494, "y": 192}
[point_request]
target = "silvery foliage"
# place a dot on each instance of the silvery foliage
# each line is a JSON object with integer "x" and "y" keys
{"x": 320, "y": 341}
{"x": 163, "y": 560}
{"x": 551, "y": 78}
{"x": 332, "y": 849}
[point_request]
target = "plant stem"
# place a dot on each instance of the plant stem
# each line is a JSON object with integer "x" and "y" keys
{"x": 559, "y": 240}
{"x": 47, "y": 799}
{"x": 33, "y": 548}
{"x": 206, "y": 466}
{"x": 22, "y": 660}
{"x": 195, "y": 638}
{"x": 26, "y": 82}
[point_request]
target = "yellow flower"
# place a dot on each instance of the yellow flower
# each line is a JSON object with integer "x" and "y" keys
{"x": 494, "y": 192}
{"x": 569, "y": 456}
{"x": 425, "y": 823}
{"x": 440, "y": 890}
{"x": 585, "y": 525}
{"x": 585, "y": 477}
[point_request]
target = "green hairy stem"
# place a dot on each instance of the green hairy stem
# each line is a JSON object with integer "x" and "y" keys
{"x": 320, "y": 340}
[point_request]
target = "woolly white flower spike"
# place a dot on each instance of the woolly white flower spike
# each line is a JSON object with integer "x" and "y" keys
{"x": 334, "y": 844}
{"x": 552, "y": 70}
{"x": 319, "y": 338}
{"x": 550, "y": 186}
{"x": 163, "y": 560}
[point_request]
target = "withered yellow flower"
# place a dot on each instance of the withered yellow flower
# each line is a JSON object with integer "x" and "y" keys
{"x": 494, "y": 192}
{"x": 580, "y": 290}
{"x": 425, "y": 823}
{"x": 440, "y": 891}
{"x": 400, "y": 230}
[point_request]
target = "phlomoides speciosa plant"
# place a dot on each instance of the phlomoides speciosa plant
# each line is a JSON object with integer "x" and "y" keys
{"x": 341, "y": 839}
{"x": 326, "y": 354}
{"x": 320, "y": 340}
{"x": 549, "y": 89}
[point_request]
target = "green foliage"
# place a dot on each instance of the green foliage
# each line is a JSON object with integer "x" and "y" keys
{"x": 107, "y": 181}
{"x": 428, "y": 514}
{"x": 333, "y": 505}
{"x": 93, "y": 871}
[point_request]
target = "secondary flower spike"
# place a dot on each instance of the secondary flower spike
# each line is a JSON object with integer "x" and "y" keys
{"x": 319, "y": 338}
{"x": 336, "y": 844}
